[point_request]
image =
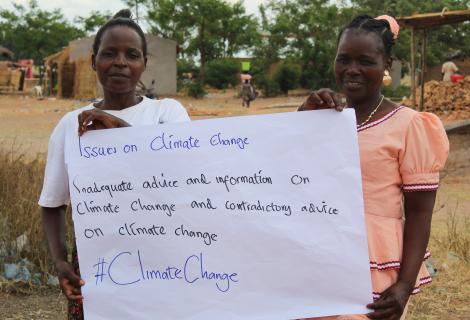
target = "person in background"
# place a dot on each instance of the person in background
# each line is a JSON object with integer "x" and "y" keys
{"x": 119, "y": 59}
{"x": 247, "y": 93}
{"x": 448, "y": 69}
{"x": 401, "y": 152}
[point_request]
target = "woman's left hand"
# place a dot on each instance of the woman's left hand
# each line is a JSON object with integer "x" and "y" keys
{"x": 392, "y": 302}
{"x": 96, "y": 119}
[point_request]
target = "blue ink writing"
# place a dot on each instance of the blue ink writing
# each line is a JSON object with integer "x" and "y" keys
{"x": 206, "y": 236}
{"x": 218, "y": 140}
{"x": 164, "y": 142}
{"x": 139, "y": 205}
{"x": 133, "y": 230}
{"x": 113, "y": 279}
{"x": 256, "y": 178}
{"x": 100, "y": 270}
{"x": 123, "y": 186}
{"x": 193, "y": 270}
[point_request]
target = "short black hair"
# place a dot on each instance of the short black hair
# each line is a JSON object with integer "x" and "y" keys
{"x": 121, "y": 18}
{"x": 378, "y": 26}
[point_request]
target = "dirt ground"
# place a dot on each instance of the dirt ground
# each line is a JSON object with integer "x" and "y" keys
{"x": 26, "y": 123}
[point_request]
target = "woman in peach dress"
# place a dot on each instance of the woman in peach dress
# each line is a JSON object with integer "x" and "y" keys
{"x": 401, "y": 153}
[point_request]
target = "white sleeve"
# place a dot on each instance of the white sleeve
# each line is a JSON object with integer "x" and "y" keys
{"x": 55, "y": 190}
{"x": 173, "y": 112}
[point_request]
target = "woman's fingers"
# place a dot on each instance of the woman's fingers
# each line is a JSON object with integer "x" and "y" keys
{"x": 340, "y": 105}
{"x": 327, "y": 98}
{"x": 385, "y": 308}
{"x": 70, "y": 282}
{"x": 69, "y": 290}
{"x": 96, "y": 119}
{"x": 323, "y": 99}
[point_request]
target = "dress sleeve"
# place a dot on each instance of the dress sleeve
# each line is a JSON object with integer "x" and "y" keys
{"x": 55, "y": 190}
{"x": 424, "y": 154}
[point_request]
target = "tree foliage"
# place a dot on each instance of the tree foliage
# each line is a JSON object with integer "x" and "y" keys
{"x": 442, "y": 42}
{"x": 207, "y": 29}
{"x": 287, "y": 76}
{"x": 222, "y": 73}
{"x": 306, "y": 31}
{"x": 33, "y": 33}
{"x": 91, "y": 23}
{"x": 303, "y": 31}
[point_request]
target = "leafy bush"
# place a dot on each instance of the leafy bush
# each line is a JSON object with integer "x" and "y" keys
{"x": 196, "y": 90}
{"x": 398, "y": 93}
{"x": 268, "y": 86}
{"x": 222, "y": 73}
{"x": 186, "y": 66}
{"x": 287, "y": 76}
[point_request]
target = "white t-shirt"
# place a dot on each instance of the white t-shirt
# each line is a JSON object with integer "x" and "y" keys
{"x": 55, "y": 190}
{"x": 448, "y": 69}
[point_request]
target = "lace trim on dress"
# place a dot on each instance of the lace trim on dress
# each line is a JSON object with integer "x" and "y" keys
{"x": 420, "y": 187}
{"x": 391, "y": 264}
{"x": 422, "y": 282}
{"x": 379, "y": 121}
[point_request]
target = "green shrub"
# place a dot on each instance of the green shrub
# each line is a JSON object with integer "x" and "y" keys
{"x": 196, "y": 90}
{"x": 186, "y": 66}
{"x": 268, "y": 86}
{"x": 222, "y": 73}
{"x": 287, "y": 76}
{"x": 396, "y": 94}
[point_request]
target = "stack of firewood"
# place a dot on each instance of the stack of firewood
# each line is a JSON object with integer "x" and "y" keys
{"x": 451, "y": 100}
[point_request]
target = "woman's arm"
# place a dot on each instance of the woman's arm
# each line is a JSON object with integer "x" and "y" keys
{"x": 53, "y": 220}
{"x": 418, "y": 214}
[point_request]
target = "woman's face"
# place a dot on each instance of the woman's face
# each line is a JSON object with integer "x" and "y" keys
{"x": 119, "y": 61}
{"x": 360, "y": 64}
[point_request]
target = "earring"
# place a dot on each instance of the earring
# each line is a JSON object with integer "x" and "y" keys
{"x": 387, "y": 80}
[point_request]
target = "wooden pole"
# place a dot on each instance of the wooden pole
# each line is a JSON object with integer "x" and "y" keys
{"x": 413, "y": 68}
{"x": 137, "y": 11}
{"x": 423, "y": 68}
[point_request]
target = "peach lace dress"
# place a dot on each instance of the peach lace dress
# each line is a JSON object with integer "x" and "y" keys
{"x": 400, "y": 152}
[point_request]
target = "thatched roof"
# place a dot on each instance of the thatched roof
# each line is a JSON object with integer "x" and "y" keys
{"x": 58, "y": 57}
{"x": 7, "y": 53}
{"x": 433, "y": 20}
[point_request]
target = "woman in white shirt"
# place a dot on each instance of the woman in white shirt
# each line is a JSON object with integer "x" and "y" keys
{"x": 119, "y": 59}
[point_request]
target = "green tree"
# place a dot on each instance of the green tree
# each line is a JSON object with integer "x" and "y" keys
{"x": 91, "y": 23}
{"x": 303, "y": 31}
{"x": 441, "y": 42}
{"x": 207, "y": 29}
{"x": 287, "y": 76}
{"x": 222, "y": 73}
{"x": 33, "y": 33}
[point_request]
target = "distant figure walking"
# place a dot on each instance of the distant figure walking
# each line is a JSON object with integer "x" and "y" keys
{"x": 247, "y": 93}
{"x": 448, "y": 69}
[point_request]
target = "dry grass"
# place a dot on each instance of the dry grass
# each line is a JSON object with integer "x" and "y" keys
{"x": 449, "y": 294}
{"x": 21, "y": 234}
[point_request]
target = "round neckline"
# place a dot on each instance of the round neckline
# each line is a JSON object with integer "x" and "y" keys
{"x": 113, "y": 110}
{"x": 380, "y": 120}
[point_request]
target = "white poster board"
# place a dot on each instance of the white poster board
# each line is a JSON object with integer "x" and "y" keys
{"x": 257, "y": 217}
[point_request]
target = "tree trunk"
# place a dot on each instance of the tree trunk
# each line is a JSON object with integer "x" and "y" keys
{"x": 202, "y": 52}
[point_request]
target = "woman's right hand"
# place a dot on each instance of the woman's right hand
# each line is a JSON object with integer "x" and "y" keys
{"x": 96, "y": 119}
{"x": 323, "y": 99}
{"x": 69, "y": 281}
